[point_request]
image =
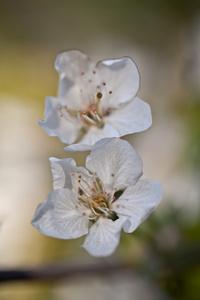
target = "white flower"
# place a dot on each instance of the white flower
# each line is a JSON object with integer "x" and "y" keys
{"x": 99, "y": 202}
{"x": 94, "y": 102}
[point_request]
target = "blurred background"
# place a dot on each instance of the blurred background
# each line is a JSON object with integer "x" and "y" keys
{"x": 163, "y": 38}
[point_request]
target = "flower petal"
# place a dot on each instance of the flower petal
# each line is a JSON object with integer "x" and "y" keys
{"x": 103, "y": 237}
{"x": 58, "y": 216}
{"x": 134, "y": 116}
{"x": 116, "y": 163}
{"x": 54, "y": 125}
{"x": 78, "y": 78}
{"x": 93, "y": 135}
{"x": 137, "y": 202}
{"x": 121, "y": 77}
{"x": 62, "y": 170}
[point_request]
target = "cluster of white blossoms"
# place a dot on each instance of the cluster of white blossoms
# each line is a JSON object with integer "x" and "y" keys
{"x": 95, "y": 106}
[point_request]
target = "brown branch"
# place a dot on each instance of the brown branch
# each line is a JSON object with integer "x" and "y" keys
{"x": 57, "y": 271}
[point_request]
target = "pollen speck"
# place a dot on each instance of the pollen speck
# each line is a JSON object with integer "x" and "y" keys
{"x": 112, "y": 174}
{"x": 94, "y": 72}
{"x": 83, "y": 213}
{"x": 98, "y": 86}
{"x": 76, "y": 206}
{"x": 89, "y": 80}
{"x": 82, "y": 73}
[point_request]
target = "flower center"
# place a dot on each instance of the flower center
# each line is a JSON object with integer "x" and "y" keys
{"x": 90, "y": 114}
{"x": 92, "y": 195}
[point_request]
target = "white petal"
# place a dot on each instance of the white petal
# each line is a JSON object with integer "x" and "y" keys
{"x": 58, "y": 216}
{"x": 71, "y": 64}
{"x": 116, "y": 163}
{"x": 93, "y": 135}
{"x": 62, "y": 170}
{"x": 77, "y": 81}
{"x": 121, "y": 77}
{"x": 54, "y": 125}
{"x": 103, "y": 237}
{"x": 137, "y": 202}
{"x": 134, "y": 116}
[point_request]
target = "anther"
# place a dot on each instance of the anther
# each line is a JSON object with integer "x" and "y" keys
{"x": 59, "y": 107}
{"x": 83, "y": 214}
{"x": 110, "y": 92}
{"x": 99, "y": 95}
{"x": 61, "y": 115}
{"x": 112, "y": 174}
{"x": 76, "y": 206}
{"x": 89, "y": 80}
{"x": 66, "y": 108}
{"x": 94, "y": 72}
{"x": 79, "y": 176}
{"x": 104, "y": 83}
{"x": 79, "y": 180}
{"x": 82, "y": 73}
{"x": 98, "y": 86}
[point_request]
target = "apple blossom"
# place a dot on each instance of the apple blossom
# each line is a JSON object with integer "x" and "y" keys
{"x": 94, "y": 102}
{"x": 98, "y": 201}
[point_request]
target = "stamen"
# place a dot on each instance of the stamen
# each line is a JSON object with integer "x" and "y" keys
{"x": 94, "y": 211}
{"x": 88, "y": 119}
{"x": 104, "y": 83}
{"x": 97, "y": 117}
{"x": 67, "y": 115}
{"x": 110, "y": 92}
{"x": 103, "y": 210}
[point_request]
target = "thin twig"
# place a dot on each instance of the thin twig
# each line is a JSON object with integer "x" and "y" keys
{"x": 55, "y": 271}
